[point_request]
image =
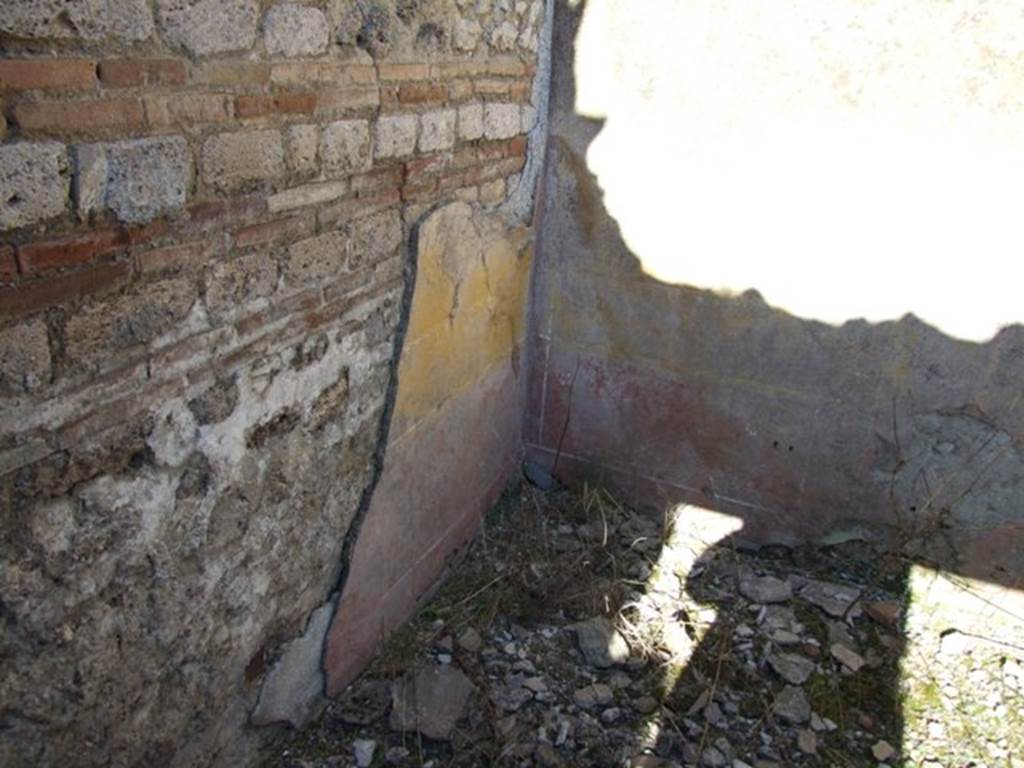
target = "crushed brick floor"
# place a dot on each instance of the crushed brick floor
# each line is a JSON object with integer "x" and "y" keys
{"x": 577, "y": 632}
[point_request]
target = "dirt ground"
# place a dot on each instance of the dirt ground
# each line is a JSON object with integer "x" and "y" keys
{"x": 574, "y": 631}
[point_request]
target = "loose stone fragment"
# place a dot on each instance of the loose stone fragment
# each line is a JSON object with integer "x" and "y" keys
{"x": 791, "y": 668}
{"x": 883, "y": 750}
{"x": 430, "y": 703}
{"x": 592, "y": 696}
{"x": 765, "y": 589}
{"x": 364, "y": 749}
{"x": 807, "y": 741}
{"x": 834, "y": 599}
{"x": 885, "y": 613}
{"x": 601, "y": 643}
{"x": 470, "y": 640}
{"x": 848, "y": 658}
{"x": 791, "y": 705}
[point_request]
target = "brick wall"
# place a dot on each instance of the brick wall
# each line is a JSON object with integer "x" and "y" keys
{"x": 204, "y": 211}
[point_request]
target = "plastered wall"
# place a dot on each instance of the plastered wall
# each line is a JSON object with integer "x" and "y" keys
{"x": 765, "y": 282}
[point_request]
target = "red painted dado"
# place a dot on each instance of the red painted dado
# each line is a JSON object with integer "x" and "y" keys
{"x": 438, "y": 479}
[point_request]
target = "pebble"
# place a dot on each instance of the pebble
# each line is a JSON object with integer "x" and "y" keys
{"x": 849, "y": 659}
{"x": 593, "y": 696}
{"x": 791, "y": 668}
{"x": 364, "y": 749}
{"x": 883, "y": 750}
{"x": 765, "y": 589}
{"x": 791, "y": 705}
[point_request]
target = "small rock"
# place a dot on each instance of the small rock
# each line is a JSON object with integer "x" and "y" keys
{"x": 511, "y": 698}
{"x": 849, "y": 659}
{"x": 396, "y": 755}
{"x": 833, "y": 599}
{"x": 645, "y": 705}
{"x": 611, "y": 715}
{"x": 785, "y": 637}
{"x": 765, "y": 589}
{"x": 547, "y": 755}
{"x": 446, "y": 644}
{"x": 470, "y": 640}
{"x": 712, "y": 757}
{"x": 364, "y": 749}
{"x": 444, "y": 658}
{"x": 619, "y": 679}
{"x": 601, "y": 643}
{"x": 791, "y": 668}
{"x": 791, "y": 705}
{"x": 885, "y": 613}
{"x": 431, "y": 702}
{"x": 535, "y": 684}
{"x": 713, "y": 713}
{"x": 883, "y": 750}
{"x": 807, "y": 741}
{"x": 592, "y": 696}
{"x": 740, "y": 764}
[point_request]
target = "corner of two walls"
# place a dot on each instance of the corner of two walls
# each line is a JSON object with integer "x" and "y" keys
{"x": 676, "y": 393}
{"x": 207, "y": 217}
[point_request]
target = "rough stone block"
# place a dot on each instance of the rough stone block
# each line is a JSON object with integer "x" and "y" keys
{"x": 292, "y": 30}
{"x": 102, "y": 330}
{"x": 307, "y": 194}
{"x": 374, "y": 237}
{"x": 471, "y": 121}
{"x": 345, "y": 147}
{"x": 234, "y": 283}
{"x": 233, "y": 161}
{"x": 301, "y": 143}
{"x": 502, "y": 120}
{"x": 395, "y": 136}
{"x": 437, "y": 130}
{"x": 24, "y": 357}
{"x": 33, "y": 183}
{"x": 209, "y": 26}
{"x": 147, "y": 178}
{"x": 317, "y": 258}
{"x": 129, "y": 20}
{"x": 466, "y": 35}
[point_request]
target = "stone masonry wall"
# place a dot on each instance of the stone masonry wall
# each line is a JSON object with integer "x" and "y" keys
{"x": 204, "y": 212}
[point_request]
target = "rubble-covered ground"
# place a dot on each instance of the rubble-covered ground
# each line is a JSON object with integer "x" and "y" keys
{"x": 577, "y": 632}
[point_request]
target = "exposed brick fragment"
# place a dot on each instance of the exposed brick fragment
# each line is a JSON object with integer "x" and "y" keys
{"x": 80, "y": 116}
{"x": 130, "y": 73}
{"x": 40, "y": 294}
{"x": 47, "y": 74}
{"x": 69, "y": 251}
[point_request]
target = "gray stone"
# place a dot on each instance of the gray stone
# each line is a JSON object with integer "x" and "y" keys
{"x": 295, "y": 683}
{"x": 395, "y": 136}
{"x": 645, "y": 705}
{"x": 511, "y": 698}
{"x": 791, "y": 668}
{"x": 791, "y": 705}
{"x": 470, "y": 640}
{"x": 128, "y": 20}
{"x": 712, "y": 757}
{"x": 437, "y": 130}
{"x": 765, "y": 589}
{"x": 807, "y": 741}
{"x": 345, "y": 147}
{"x": 235, "y": 161}
{"x": 147, "y": 178}
{"x": 363, "y": 750}
{"x": 834, "y": 599}
{"x": 601, "y": 643}
{"x": 471, "y": 121}
{"x": 591, "y": 696}
{"x": 24, "y": 357}
{"x": 209, "y": 26}
{"x": 292, "y": 30}
{"x": 431, "y": 703}
{"x": 34, "y": 183}
{"x": 849, "y": 659}
{"x": 501, "y": 120}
